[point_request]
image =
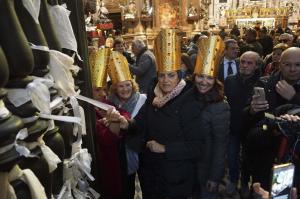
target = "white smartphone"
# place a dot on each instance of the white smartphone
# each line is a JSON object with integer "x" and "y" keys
{"x": 260, "y": 92}
{"x": 282, "y": 181}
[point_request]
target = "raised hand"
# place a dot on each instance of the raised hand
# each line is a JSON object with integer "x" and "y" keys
{"x": 286, "y": 90}
{"x": 258, "y": 105}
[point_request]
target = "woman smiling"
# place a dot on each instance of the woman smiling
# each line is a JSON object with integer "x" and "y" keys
{"x": 215, "y": 121}
{"x": 118, "y": 157}
{"x": 168, "y": 125}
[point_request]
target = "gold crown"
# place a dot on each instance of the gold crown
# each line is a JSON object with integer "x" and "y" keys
{"x": 167, "y": 50}
{"x": 118, "y": 68}
{"x": 209, "y": 56}
{"x": 98, "y": 66}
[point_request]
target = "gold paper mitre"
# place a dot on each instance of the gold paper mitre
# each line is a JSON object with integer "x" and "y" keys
{"x": 167, "y": 50}
{"x": 209, "y": 56}
{"x": 98, "y": 66}
{"x": 118, "y": 68}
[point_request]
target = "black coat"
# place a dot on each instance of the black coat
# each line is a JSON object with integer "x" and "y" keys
{"x": 267, "y": 44}
{"x": 262, "y": 146}
{"x": 273, "y": 98}
{"x": 215, "y": 123}
{"x": 177, "y": 126}
{"x": 239, "y": 94}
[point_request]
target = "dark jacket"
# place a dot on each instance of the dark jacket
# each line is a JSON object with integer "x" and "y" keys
{"x": 177, "y": 126}
{"x": 215, "y": 123}
{"x": 239, "y": 94}
{"x": 273, "y": 98}
{"x": 192, "y": 52}
{"x": 251, "y": 46}
{"x": 262, "y": 146}
{"x": 130, "y": 60}
{"x": 221, "y": 69}
{"x": 267, "y": 43}
{"x": 144, "y": 69}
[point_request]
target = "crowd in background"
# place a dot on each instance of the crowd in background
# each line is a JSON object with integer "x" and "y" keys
{"x": 223, "y": 108}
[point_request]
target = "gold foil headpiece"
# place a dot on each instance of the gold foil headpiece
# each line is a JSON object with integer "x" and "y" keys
{"x": 167, "y": 50}
{"x": 118, "y": 68}
{"x": 98, "y": 66}
{"x": 209, "y": 56}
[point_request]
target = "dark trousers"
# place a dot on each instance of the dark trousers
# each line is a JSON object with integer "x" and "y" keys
{"x": 202, "y": 193}
{"x": 150, "y": 181}
{"x": 130, "y": 187}
{"x": 234, "y": 147}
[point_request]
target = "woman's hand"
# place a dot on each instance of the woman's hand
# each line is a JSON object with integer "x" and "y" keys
{"x": 265, "y": 195}
{"x": 112, "y": 115}
{"x": 123, "y": 123}
{"x": 104, "y": 121}
{"x": 155, "y": 147}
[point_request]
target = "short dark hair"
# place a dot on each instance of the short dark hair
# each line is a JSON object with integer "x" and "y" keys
{"x": 195, "y": 38}
{"x": 252, "y": 32}
{"x": 118, "y": 41}
{"x": 229, "y": 41}
{"x": 185, "y": 58}
{"x": 264, "y": 30}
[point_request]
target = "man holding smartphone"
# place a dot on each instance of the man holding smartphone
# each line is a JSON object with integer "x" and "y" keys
{"x": 281, "y": 88}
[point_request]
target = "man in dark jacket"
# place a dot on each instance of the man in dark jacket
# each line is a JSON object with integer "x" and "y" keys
{"x": 280, "y": 88}
{"x": 266, "y": 41}
{"x": 235, "y": 31}
{"x": 119, "y": 46}
{"x": 229, "y": 65}
{"x": 238, "y": 90}
{"x": 251, "y": 44}
{"x": 145, "y": 67}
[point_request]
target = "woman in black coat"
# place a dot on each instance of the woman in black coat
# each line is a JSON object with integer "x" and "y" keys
{"x": 215, "y": 118}
{"x": 167, "y": 127}
{"x": 168, "y": 131}
{"x": 215, "y": 124}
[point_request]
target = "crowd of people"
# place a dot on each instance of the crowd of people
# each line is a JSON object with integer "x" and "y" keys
{"x": 190, "y": 116}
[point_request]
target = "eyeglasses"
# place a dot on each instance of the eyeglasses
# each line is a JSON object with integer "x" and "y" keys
{"x": 283, "y": 40}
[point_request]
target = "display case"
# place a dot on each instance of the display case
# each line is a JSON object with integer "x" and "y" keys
{"x": 252, "y": 22}
{"x": 257, "y": 16}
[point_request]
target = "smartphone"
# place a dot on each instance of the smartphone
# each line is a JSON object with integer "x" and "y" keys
{"x": 260, "y": 92}
{"x": 282, "y": 181}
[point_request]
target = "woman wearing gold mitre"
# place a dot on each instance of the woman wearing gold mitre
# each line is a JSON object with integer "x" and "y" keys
{"x": 118, "y": 158}
{"x": 98, "y": 60}
{"x": 168, "y": 127}
{"x": 216, "y": 117}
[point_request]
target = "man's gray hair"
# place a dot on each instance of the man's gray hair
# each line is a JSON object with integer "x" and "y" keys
{"x": 259, "y": 60}
{"x": 139, "y": 44}
{"x": 286, "y": 36}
